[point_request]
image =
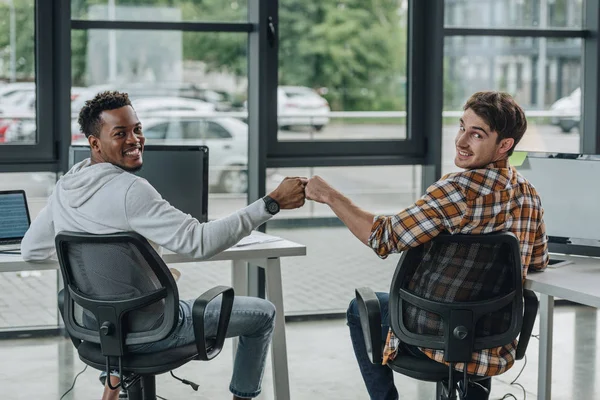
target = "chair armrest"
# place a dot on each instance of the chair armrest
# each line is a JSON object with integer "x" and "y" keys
{"x": 206, "y": 350}
{"x": 529, "y": 314}
{"x": 369, "y": 312}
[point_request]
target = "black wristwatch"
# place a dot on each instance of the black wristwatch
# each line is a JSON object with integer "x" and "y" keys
{"x": 271, "y": 205}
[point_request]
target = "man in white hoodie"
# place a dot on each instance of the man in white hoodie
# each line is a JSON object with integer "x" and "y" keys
{"x": 100, "y": 195}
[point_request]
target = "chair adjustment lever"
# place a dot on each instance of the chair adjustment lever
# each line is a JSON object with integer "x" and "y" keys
{"x": 194, "y": 386}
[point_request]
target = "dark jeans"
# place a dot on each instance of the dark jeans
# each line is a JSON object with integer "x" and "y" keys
{"x": 378, "y": 378}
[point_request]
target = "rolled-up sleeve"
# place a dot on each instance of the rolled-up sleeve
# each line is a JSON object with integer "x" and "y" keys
{"x": 539, "y": 255}
{"x": 441, "y": 209}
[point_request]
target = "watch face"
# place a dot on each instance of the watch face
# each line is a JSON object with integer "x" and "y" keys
{"x": 273, "y": 208}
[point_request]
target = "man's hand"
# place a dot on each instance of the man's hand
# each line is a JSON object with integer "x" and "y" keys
{"x": 290, "y": 193}
{"x": 319, "y": 190}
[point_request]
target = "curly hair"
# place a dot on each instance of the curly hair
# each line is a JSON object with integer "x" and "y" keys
{"x": 89, "y": 119}
{"x": 502, "y": 114}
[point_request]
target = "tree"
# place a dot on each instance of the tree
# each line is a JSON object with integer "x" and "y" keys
{"x": 354, "y": 48}
{"x": 25, "y": 43}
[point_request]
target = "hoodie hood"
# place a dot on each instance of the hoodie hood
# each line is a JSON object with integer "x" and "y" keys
{"x": 85, "y": 179}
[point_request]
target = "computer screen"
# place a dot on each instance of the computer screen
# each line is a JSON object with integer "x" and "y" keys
{"x": 178, "y": 173}
{"x": 567, "y": 185}
{"x": 14, "y": 215}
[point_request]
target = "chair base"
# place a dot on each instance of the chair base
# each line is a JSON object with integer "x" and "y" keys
{"x": 143, "y": 388}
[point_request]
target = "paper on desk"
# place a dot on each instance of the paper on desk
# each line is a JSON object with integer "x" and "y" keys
{"x": 257, "y": 239}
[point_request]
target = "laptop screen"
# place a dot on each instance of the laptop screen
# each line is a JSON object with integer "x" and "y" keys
{"x": 14, "y": 215}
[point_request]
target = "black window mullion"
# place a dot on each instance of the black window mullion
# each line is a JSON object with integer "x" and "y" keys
{"x": 168, "y": 26}
{"x": 544, "y": 33}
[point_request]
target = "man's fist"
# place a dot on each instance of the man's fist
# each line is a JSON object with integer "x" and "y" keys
{"x": 318, "y": 190}
{"x": 290, "y": 193}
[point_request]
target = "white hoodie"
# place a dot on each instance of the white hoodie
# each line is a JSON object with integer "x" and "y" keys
{"x": 102, "y": 198}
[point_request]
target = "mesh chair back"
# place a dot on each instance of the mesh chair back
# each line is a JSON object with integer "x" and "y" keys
{"x": 116, "y": 267}
{"x": 479, "y": 274}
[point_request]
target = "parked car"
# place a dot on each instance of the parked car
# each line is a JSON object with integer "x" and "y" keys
{"x": 158, "y": 106}
{"x": 12, "y": 93}
{"x": 17, "y": 120}
{"x": 568, "y": 110}
{"x": 137, "y": 91}
{"x": 225, "y": 137}
{"x": 301, "y": 106}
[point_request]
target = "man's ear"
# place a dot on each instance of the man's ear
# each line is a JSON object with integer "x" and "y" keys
{"x": 506, "y": 145}
{"x": 94, "y": 142}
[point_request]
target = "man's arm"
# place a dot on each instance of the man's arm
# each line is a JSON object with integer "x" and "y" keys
{"x": 154, "y": 218}
{"x": 441, "y": 208}
{"x": 38, "y": 243}
{"x": 356, "y": 219}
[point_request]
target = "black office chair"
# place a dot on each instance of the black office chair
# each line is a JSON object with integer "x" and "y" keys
{"x": 118, "y": 292}
{"x": 486, "y": 312}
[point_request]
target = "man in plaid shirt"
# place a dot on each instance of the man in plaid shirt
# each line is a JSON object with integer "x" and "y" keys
{"x": 488, "y": 196}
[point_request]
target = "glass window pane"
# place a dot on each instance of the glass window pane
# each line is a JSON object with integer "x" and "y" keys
{"x": 342, "y": 70}
{"x": 543, "y": 14}
{"x": 178, "y": 82}
{"x": 28, "y": 298}
{"x": 17, "y": 73}
{"x": 548, "y": 91}
{"x": 152, "y": 10}
{"x": 337, "y": 263}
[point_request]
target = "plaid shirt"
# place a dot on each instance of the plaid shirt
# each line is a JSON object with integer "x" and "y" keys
{"x": 479, "y": 201}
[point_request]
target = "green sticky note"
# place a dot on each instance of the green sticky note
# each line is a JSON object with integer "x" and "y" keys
{"x": 517, "y": 158}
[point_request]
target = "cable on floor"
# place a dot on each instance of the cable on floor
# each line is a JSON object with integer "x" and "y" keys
{"x": 74, "y": 380}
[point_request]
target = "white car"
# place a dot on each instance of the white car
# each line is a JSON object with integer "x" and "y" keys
{"x": 13, "y": 93}
{"x": 226, "y": 139}
{"x": 153, "y": 107}
{"x": 301, "y": 106}
{"x": 568, "y": 111}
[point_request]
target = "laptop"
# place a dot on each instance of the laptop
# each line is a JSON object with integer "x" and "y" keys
{"x": 14, "y": 219}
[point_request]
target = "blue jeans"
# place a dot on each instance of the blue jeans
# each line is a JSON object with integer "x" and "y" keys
{"x": 378, "y": 378}
{"x": 252, "y": 319}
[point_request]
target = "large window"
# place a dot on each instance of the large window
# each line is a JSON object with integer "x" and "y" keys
{"x": 343, "y": 87}
{"x": 537, "y": 14}
{"x": 186, "y": 87}
{"x": 540, "y": 67}
{"x": 152, "y": 10}
{"x": 342, "y": 70}
{"x": 17, "y": 71}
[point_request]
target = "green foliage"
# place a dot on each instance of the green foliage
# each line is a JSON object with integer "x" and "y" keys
{"x": 356, "y": 49}
{"x": 25, "y": 45}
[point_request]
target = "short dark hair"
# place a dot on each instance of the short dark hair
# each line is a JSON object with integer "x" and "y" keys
{"x": 502, "y": 114}
{"x": 89, "y": 120}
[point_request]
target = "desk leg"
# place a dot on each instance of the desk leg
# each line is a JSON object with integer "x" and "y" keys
{"x": 239, "y": 281}
{"x": 545, "y": 356}
{"x": 279, "y": 362}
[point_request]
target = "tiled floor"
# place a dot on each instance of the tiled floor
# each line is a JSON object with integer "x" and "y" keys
{"x": 321, "y": 366}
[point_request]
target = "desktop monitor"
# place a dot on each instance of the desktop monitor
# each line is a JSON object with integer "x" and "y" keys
{"x": 567, "y": 186}
{"x": 178, "y": 173}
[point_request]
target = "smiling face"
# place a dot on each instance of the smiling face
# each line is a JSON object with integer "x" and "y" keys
{"x": 121, "y": 141}
{"x": 476, "y": 144}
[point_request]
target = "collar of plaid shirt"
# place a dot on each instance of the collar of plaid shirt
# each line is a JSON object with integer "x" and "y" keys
{"x": 464, "y": 202}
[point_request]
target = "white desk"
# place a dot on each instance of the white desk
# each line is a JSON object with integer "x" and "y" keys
{"x": 578, "y": 282}
{"x": 264, "y": 255}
